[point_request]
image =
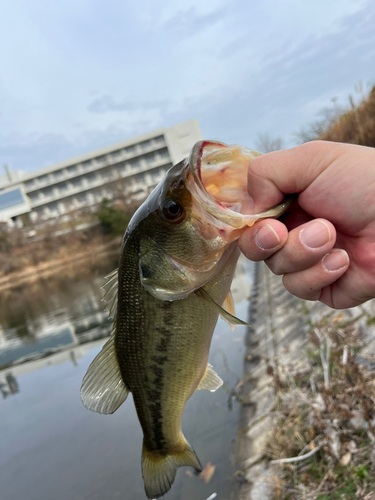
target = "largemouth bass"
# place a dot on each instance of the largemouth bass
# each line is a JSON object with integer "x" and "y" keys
{"x": 177, "y": 261}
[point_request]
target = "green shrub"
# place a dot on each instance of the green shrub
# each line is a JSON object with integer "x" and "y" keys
{"x": 113, "y": 219}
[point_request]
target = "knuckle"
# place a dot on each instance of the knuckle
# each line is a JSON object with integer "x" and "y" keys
{"x": 274, "y": 266}
{"x": 299, "y": 289}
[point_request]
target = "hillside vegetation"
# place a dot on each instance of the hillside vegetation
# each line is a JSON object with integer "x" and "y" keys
{"x": 354, "y": 124}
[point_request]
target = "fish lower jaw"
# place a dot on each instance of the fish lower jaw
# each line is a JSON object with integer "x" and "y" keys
{"x": 218, "y": 183}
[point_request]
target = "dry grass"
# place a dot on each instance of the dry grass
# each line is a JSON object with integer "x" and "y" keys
{"x": 57, "y": 242}
{"x": 356, "y": 125}
{"x": 333, "y": 425}
{"x": 30, "y": 254}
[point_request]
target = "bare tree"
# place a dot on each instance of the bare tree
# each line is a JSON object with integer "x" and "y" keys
{"x": 266, "y": 144}
{"x": 327, "y": 117}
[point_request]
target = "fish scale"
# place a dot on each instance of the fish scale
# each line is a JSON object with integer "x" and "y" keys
{"x": 181, "y": 330}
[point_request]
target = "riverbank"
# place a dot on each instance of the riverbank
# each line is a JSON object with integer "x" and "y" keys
{"x": 278, "y": 348}
{"x": 79, "y": 257}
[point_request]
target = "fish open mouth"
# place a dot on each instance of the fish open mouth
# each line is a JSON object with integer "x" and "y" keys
{"x": 219, "y": 173}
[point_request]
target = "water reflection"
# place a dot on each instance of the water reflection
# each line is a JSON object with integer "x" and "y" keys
{"x": 52, "y": 447}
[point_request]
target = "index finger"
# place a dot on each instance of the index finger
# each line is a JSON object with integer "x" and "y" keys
{"x": 273, "y": 175}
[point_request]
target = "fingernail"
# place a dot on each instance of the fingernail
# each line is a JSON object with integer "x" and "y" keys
{"x": 335, "y": 260}
{"x": 315, "y": 235}
{"x": 266, "y": 238}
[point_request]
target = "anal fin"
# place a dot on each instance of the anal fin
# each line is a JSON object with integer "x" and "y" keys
{"x": 210, "y": 380}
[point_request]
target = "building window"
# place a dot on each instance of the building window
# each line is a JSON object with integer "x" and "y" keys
{"x": 29, "y": 184}
{"x": 82, "y": 198}
{"x": 135, "y": 163}
{"x": 100, "y": 159}
{"x": 163, "y": 153}
{"x": 76, "y": 183}
{"x": 72, "y": 168}
{"x": 122, "y": 167}
{"x": 105, "y": 174}
{"x": 130, "y": 149}
{"x": 116, "y": 154}
{"x": 34, "y": 196}
{"x": 48, "y": 193}
{"x": 159, "y": 139}
{"x": 91, "y": 178}
{"x": 150, "y": 158}
{"x": 63, "y": 187}
{"x": 145, "y": 144}
{"x": 54, "y": 209}
{"x": 43, "y": 178}
{"x": 58, "y": 174}
{"x": 86, "y": 164}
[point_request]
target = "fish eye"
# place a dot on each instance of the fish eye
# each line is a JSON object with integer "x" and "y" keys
{"x": 173, "y": 211}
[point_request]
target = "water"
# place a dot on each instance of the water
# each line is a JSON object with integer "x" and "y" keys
{"x": 51, "y": 446}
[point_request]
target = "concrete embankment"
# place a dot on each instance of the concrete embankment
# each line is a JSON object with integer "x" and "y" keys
{"x": 276, "y": 341}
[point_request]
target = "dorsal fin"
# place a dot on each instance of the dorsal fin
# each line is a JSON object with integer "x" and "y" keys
{"x": 111, "y": 291}
{"x": 210, "y": 380}
{"x": 229, "y": 318}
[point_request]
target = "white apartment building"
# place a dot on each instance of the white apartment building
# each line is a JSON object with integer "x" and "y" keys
{"x": 133, "y": 166}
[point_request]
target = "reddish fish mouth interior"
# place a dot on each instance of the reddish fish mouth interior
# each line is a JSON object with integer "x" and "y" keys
{"x": 222, "y": 171}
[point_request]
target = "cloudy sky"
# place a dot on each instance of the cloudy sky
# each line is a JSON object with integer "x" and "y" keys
{"x": 77, "y": 75}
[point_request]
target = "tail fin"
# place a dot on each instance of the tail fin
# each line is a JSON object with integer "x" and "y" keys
{"x": 159, "y": 470}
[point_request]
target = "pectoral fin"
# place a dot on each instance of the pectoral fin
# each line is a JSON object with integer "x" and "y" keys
{"x": 103, "y": 389}
{"x": 210, "y": 380}
{"x": 229, "y": 318}
{"x": 228, "y": 305}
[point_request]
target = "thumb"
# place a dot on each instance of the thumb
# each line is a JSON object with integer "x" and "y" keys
{"x": 273, "y": 175}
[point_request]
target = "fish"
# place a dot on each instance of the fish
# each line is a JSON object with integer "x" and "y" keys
{"x": 176, "y": 265}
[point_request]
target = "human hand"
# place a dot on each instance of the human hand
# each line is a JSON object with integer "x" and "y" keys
{"x": 324, "y": 246}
